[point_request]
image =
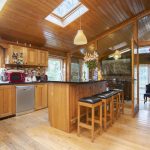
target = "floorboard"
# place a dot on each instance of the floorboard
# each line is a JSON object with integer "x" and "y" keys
{"x": 33, "y": 132}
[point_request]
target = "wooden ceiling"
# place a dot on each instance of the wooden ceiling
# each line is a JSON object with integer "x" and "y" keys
{"x": 23, "y": 21}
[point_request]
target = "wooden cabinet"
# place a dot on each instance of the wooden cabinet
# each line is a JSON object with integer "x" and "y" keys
{"x": 7, "y": 101}
{"x": 42, "y": 58}
{"x": 40, "y": 96}
{"x": 17, "y": 50}
{"x": 32, "y": 56}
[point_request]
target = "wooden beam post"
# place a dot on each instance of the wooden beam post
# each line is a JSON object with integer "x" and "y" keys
{"x": 68, "y": 67}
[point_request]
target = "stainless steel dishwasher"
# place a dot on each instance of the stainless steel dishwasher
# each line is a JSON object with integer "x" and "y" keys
{"x": 24, "y": 99}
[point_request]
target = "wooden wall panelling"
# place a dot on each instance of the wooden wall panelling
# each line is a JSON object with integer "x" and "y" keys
{"x": 77, "y": 91}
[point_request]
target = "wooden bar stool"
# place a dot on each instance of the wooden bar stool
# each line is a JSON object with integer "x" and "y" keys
{"x": 116, "y": 108}
{"x": 121, "y": 100}
{"x": 107, "y": 108}
{"x": 90, "y": 103}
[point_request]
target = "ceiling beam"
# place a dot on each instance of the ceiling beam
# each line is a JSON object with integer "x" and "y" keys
{"x": 117, "y": 27}
{"x": 143, "y": 43}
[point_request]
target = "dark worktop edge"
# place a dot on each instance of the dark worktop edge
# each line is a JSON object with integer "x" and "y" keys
{"x": 67, "y": 82}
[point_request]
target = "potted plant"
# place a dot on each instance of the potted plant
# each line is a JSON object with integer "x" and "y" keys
{"x": 91, "y": 60}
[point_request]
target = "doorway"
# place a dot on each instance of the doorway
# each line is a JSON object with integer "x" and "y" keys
{"x": 144, "y": 76}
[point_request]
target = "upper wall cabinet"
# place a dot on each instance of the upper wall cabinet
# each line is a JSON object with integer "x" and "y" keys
{"x": 32, "y": 56}
{"x": 16, "y": 55}
{"x": 42, "y": 58}
{"x": 25, "y": 56}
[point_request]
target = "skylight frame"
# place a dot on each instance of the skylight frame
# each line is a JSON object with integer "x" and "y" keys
{"x": 2, "y": 4}
{"x": 59, "y": 15}
{"x": 69, "y": 18}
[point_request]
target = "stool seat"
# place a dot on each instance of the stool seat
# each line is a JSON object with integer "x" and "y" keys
{"x": 114, "y": 92}
{"x": 91, "y": 100}
{"x": 104, "y": 95}
{"x": 118, "y": 90}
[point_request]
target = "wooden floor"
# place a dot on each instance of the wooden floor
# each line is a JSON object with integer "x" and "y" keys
{"x": 33, "y": 132}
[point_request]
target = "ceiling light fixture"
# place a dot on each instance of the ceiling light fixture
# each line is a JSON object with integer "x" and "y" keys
{"x": 122, "y": 52}
{"x": 80, "y": 38}
{"x": 2, "y": 3}
{"x": 90, "y": 56}
{"x": 117, "y": 55}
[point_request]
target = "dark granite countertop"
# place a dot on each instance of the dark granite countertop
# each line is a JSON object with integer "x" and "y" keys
{"x": 69, "y": 82}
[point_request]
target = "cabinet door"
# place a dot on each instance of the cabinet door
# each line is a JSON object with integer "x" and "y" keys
{"x": 25, "y": 55}
{"x": 42, "y": 58}
{"x": 32, "y": 56}
{"x": 40, "y": 96}
{"x": 15, "y": 49}
{"x": 7, "y": 101}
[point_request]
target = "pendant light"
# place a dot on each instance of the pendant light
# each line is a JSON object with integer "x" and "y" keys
{"x": 80, "y": 38}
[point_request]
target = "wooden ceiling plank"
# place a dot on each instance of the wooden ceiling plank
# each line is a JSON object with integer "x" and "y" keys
{"x": 122, "y": 25}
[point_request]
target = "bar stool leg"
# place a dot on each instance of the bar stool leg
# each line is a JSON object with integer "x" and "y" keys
{"x": 105, "y": 116}
{"x": 117, "y": 107}
{"x": 112, "y": 109}
{"x": 78, "y": 132}
{"x": 123, "y": 103}
{"x": 101, "y": 119}
{"x": 87, "y": 115}
{"x": 92, "y": 130}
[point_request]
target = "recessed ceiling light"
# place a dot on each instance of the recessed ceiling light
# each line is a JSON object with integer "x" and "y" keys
{"x": 2, "y": 3}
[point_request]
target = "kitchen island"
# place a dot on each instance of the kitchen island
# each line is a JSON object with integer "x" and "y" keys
{"x": 63, "y": 98}
{"x": 59, "y": 96}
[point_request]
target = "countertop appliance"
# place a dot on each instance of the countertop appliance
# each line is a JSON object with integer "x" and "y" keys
{"x": 24, "y": 99}
{"x": 15, "y": 77}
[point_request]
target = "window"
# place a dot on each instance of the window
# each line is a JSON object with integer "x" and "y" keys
{"x": 85, "y": 70}
{"x": 67, "y": 12}
{"x": 144, "y": 50}
{"x": 144, "y": 79}
{"x": 65, "y": 7}
{"x": 75, "y": 72}
{"x": 55, "y": 71}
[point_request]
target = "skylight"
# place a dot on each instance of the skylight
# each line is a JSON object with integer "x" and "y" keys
{"x": 2, "y": 3}
{"x": 67, "y": 12}
{"x": 65, "y": 7}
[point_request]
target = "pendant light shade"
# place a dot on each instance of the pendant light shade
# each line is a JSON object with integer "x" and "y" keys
{"x": 80, "y": 38}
